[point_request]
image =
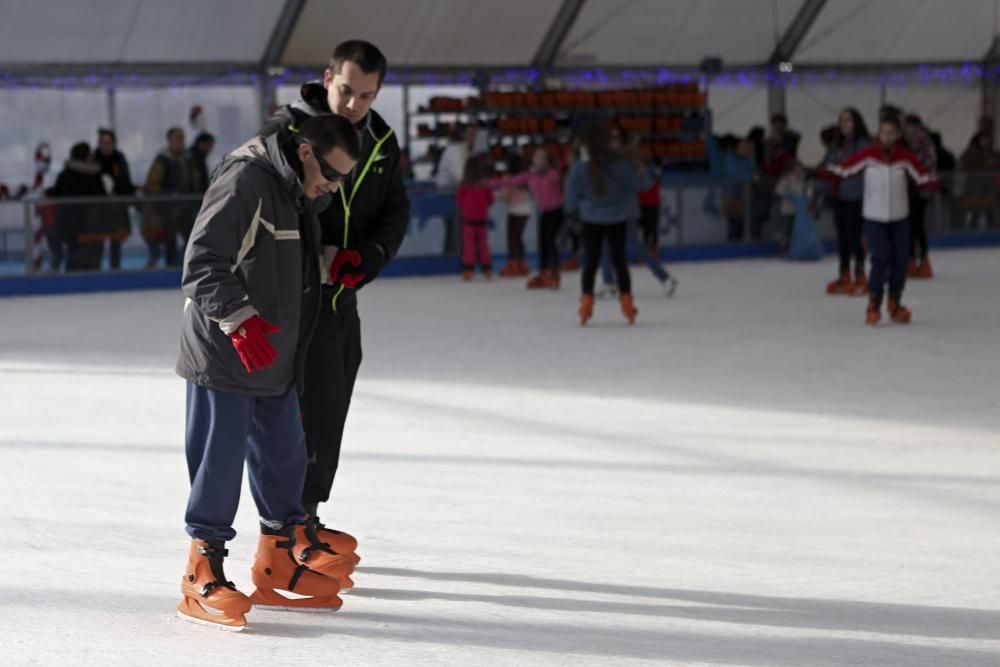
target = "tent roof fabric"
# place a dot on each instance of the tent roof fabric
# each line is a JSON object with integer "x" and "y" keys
{"x": 430, "y": 33}
{"x": 676, "y": 32}
{"x": 466, "y": 33}
{"x": 39, "y": 32}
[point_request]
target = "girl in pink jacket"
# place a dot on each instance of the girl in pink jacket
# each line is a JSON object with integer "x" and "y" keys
{"x": 545, "y": 184}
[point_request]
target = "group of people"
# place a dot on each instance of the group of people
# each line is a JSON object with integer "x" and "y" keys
{"x": 611, "y": 217}
{"x": 878, "y": 187}
{"x": 294, "y": 223}
{"x": 79, "y": 233}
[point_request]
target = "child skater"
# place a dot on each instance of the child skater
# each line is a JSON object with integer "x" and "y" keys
{"x": 885, "y": 209}
{"x": 519, "y": 208}
{"x": 474, "y": 201}
{"x": 545, "y": 184}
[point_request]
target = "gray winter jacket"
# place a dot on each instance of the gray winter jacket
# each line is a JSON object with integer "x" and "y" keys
{"x": 254, "y": 250}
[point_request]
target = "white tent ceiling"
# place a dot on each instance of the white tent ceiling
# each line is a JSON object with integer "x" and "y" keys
{"x": 463, "y": 33}
{"x": 135, "y": 31}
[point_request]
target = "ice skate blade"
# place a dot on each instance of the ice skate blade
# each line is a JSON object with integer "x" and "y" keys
{"x": 313, "y": 610}
{"x": 211, "y": 624}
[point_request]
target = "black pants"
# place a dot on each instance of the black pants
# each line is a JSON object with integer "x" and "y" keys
{"x": 649, "y": 223}
{"x": 850, "y": 227}
{"x": 593, "y": 239}
{"x": 918, "y": 230}
{"x": 548, "y": 232}
{"x": 889, "y": 244}
{"x": 332, "y": 363}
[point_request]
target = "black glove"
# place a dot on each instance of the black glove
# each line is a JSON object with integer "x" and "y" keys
{"x": 373, "y": 258}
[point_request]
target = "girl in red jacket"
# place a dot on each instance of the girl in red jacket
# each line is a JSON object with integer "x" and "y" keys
{"x": 474, "y": 201}
{"x": 886, "y": 165}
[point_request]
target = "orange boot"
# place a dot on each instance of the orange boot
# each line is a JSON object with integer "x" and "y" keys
{"x": 860, "y": 285}
{"x": 841, "y": 285}
{"x": 924, "y": 270}
{"x": 571, "y": 264}
{"x": 628, "y": 308}
{"x": 208, "y": 598}
{"x": 554, "y": 281}
{"x": 339, "y": 541}
{"x": 586, "y": 310}
{"x": 899, "y": 313}
{"x": 873, "y": 315}
{"x": 510, "y": 269}
{"x": 522, "y": 268}
{"x": 309, "y": 551}
{"x": 278, "y": 576}
{"x": 540, "y": 281}
{"x": 911, "y": 269}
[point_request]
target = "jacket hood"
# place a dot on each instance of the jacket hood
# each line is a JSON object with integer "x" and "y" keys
{"x": 90, "y": 168}
{"x": 266, "y": 153}
{"x": 312, "y": 100}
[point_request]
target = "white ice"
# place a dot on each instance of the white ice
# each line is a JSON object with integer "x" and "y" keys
{"x": 749, "y": 476}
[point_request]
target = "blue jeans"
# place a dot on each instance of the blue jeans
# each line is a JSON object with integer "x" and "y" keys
{"x": 223, "y": 430}
{"x": 889, "y": 246}
{"x": 634, "y": 248}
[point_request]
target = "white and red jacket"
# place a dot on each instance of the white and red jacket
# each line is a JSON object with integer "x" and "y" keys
{"x": 885, "y": 198}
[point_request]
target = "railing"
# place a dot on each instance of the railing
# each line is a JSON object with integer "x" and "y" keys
{"x": 150, "y": 231}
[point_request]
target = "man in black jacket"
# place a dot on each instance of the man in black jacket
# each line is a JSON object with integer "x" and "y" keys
{"x": 115, "y": 172}
{"x": 361, "y": 230}
{"x": 251, "y": 278}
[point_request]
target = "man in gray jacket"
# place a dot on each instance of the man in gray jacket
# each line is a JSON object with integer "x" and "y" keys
{"x": 251, "y": 277}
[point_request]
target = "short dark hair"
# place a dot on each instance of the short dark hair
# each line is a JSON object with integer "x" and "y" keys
{"x": 363, "y": 54}
{"x": 203, "y": 137}
{"x": 80, "y": 152}
{"x": 779, "y": 118}
{"x": 913, "y": 119}
{"x": 105, "y": 132}
{"x": 328, "y": 131}
{"x": 891, "y": 119}
{"x": 171, "y": 131}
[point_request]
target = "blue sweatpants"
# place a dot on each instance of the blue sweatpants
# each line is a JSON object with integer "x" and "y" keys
{"x": 889, "y": 247}
{"x": 223, "y": 430}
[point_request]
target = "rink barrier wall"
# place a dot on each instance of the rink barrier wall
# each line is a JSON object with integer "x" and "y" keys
{"x": 420, "y": 266}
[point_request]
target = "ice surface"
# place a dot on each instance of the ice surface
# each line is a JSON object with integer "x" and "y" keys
{"x": 749, "y": 476}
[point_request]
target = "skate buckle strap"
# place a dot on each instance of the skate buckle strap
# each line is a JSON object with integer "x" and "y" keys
{"x": 299, "y": 569}
{"x": 212, "y": 585}
{"x": 314, "y": 542}
{"x": 215, "y": 556}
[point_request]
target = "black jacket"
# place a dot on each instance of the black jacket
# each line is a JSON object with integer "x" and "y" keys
{"x": 77, "y": 222}
{"x": 380, "y": 208}
{"x": 254, "y": 250}
{"x": 116, "y": 166}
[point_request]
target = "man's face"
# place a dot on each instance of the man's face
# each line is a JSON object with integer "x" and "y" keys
{"x": 206, "y": 147}
{"x": 350, "y": 92}
{"x": 175, "y": 142}
{"x": 106, "y": 145}
{"x": 314, "y": 183}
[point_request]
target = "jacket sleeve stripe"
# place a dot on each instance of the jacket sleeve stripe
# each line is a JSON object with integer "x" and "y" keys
{"x": 248, "y": 238}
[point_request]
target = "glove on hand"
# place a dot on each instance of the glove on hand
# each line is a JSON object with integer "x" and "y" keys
{"x": 251, "y": 343}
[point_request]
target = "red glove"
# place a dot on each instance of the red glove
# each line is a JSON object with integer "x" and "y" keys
{"x": 250, "y": 341}
{"x": 342, "y": 260}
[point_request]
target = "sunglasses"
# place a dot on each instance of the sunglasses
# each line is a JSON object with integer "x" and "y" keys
{"x": 328, "y": 172}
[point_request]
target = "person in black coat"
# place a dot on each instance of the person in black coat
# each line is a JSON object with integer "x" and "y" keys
{"x": 362, "y": 229}
{"x": 117, "y": 181}
{"x": 81, "y": 177}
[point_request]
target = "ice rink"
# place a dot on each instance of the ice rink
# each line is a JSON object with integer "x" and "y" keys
{"x": 749, "y": 476}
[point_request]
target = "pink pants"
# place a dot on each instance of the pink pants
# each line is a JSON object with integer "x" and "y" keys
{"x": 474, "y": 245}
